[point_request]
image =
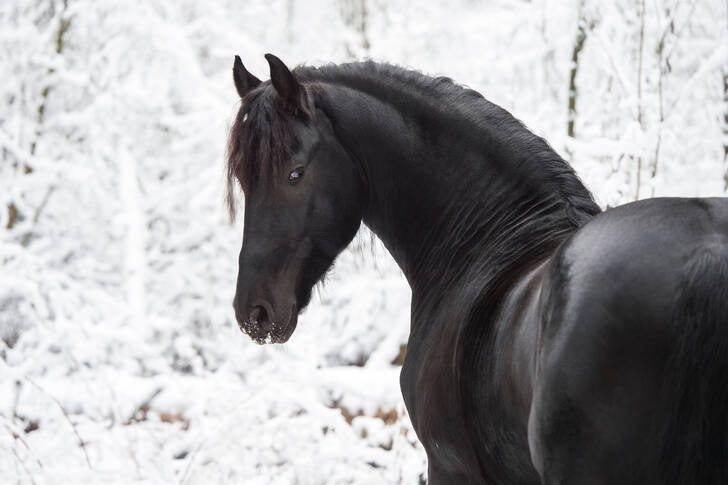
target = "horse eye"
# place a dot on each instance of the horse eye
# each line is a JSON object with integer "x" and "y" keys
{"x": 296, "y": 174}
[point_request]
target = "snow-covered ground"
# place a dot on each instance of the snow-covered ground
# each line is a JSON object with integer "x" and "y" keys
{"x": 120, "y": 361}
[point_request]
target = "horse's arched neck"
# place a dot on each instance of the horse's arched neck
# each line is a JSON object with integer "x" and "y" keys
{"x": 443, "y": 197}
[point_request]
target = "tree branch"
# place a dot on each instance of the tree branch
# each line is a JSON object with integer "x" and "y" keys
{"x": 81, "y": 442}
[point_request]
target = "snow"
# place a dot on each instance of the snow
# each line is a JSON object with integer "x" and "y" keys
{"x": 120, "y": 360}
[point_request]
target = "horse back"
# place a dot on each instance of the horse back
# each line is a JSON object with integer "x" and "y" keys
{"x": 625, "y": 267}
{"x": 612, "y": 323}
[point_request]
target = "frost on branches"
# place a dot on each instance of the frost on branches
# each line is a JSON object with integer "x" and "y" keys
{"x": 120, "y": 361}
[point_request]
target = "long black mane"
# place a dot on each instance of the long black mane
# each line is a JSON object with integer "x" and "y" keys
{"x": 259, "y": 136}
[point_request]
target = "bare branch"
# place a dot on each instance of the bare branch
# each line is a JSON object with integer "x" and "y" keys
{"x": 81, "y": 442}
{"x": 578, "y": 46}
{"x": 143, "y": 407}
{"x": 639, "y": 92}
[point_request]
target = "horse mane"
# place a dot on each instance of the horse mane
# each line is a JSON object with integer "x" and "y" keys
{"x": 260, "y": 133}
{"x": 467, "y": 110}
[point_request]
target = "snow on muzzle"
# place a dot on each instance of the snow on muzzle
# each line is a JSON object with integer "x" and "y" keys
{"x": 263, "y": 325}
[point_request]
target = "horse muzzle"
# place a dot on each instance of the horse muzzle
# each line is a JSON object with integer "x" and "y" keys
{"x": 263, "y": 325}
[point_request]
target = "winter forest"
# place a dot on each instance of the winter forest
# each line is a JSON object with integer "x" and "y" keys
{"x": 120, "y": 358}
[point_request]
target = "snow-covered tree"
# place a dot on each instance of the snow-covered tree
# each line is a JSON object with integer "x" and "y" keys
{"x": 119, "y": 357}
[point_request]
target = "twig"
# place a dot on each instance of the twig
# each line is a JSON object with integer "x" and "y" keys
{"x": 43, "y": 203}
{"x": 28, "y": 236}
{"x": 22, "y": 463}
{"x": 17, "y": 437}
{"x": 615, "y": 68}
{"x": 578, "y": 46}
{"x": 639, "y": 92}
{"x": 684, "y": 26}
{"x": 63, "y": 25}
{"x": 143, "y": 407}
{"x": 16, "y": 400}
{"x": 725, "y": 127}
{"x": 215, "y": 429}
{"x": 661, "y": 59}
{"x": 81, "y": 443}
{"x": 706, "y": 67}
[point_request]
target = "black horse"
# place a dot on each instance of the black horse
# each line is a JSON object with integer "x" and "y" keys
{"x": 550, "y": 342}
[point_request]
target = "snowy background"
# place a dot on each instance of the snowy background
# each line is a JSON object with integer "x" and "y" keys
{"x": 120, "y": 361}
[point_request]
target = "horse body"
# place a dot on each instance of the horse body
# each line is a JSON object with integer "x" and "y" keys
{"x": 571, "y": 373}
{"x": 611, "y": 328}
{"x": 542, "y": 329}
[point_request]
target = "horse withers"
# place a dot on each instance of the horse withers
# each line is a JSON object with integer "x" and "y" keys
{"x": 550, "y": 342}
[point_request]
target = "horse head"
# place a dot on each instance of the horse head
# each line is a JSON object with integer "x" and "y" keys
{"x": 303, "y": 199}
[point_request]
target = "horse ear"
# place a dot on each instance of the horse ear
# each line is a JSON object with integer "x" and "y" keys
{"x": 244, "y": 81}
{"x": 287, "y": 86}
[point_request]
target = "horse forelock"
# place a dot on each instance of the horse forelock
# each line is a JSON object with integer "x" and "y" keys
{"x": 260, "y": 143}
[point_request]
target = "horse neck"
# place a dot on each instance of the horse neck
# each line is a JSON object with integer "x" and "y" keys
{"x": 443, "y": 201}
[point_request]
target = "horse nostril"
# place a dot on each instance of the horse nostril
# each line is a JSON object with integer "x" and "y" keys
{"x": 259, "y": 316}
{"x": 255, "y": 314}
